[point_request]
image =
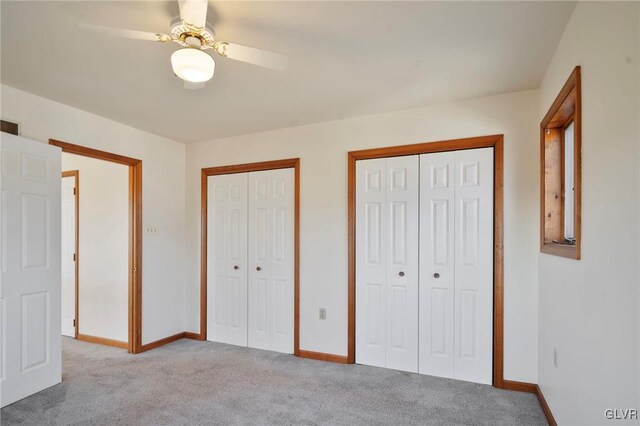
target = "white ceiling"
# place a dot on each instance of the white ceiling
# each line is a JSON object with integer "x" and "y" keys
{"x": 347, "y": 59}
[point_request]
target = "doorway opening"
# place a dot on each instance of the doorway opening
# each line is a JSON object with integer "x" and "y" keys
{"x": 495, "y": 142}
{"x": 70, "y": 252}
{"x": 131, "y": 248}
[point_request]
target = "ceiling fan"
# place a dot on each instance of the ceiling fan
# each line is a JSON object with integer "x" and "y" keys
{"x": 190, "y": 30}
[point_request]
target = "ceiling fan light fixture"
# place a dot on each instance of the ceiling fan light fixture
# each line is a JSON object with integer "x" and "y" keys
{"x": 193, "y": 65}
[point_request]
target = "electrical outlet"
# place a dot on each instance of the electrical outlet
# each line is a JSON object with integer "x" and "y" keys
{"x": 555, "y": 357}
{"x": 151, "y": 230}
{"x": 323, "y": 313}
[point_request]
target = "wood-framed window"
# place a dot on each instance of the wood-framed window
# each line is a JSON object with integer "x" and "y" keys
{"x": 560, "y": 172}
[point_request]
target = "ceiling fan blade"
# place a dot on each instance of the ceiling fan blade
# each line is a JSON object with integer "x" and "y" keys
{"x": 251, "y": 55}
{"x": 193, "y": 12}
{"x": 192, "y": 86}
{"x": 122, "y": 32}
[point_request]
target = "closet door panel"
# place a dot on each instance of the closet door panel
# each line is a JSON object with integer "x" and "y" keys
{"x": 437, "y": 267}
{"x": 259, "y": 286}
{"x": 227, "y": 259}
{"x": 387, "y": 262}
{"x": 282, "y": 264}
{"x": 402, "y": 263}
{"x": 271, "y": 259}
{"x": 371, "y": 219}
{"x": 474, "y": 265}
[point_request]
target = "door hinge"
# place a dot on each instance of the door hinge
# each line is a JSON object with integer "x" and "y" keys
{"x": 74, "y": 191}
{"x": 74, "y": 257}
{"x": 74, "y": 322}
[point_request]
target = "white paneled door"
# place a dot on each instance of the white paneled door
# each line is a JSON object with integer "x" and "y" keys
{"x": 227, "y": 259}
{"x": 456, "y": 264}
{"x": 30, "y": 351}
{"x": 473, "y": 305}
{"x": 387, "y": 262}
{"x": 271, "y": 259}
{"x": 69, "y": 256}
{"x": 449, "y": 333}
{"x": 371, "y": 265}
{"x": 437, "y": 263}
{"x": 250, "y": 259}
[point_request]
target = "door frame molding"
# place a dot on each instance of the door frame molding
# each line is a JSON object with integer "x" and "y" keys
{"x": 76, "y": 264}
{"x": 290, "y": 163}
{"x": 134, "y": 344}
{"x": 492, "y": 141}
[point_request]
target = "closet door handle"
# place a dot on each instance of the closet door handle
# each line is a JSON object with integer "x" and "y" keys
{"x": 436, "y": 275}
{"x": 236, "y": 267}
{"x": 401, "y": 274}
{"x": 258, "y": 269}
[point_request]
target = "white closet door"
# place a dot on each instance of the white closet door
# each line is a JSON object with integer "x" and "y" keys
{"x": 68, "y": 256}
{"x": 387, "y": 262}
{"x": 402, "y": 263}
{"x": 437, "y": 264}
{"x": 474, "y": 265}
{"x": 456, "y": 264}
{"x": 30, "y": 352}
{"x": 271, "y": 259}
{"x": 371, "y": 262}
{"x": 227, "y": 259}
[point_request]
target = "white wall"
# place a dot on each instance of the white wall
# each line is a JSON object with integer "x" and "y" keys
{"x": 104, "y": 247}
{"x": 323, "y": 259}
{"x": 589, "y": 308}
{"x": 163, "y": 185}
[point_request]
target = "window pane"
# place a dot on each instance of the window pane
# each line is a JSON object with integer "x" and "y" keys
{"x": 568, "y": 183}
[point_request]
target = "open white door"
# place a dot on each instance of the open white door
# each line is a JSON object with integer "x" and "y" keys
{"x": 30, "y": 352}
{"x": 69, "y": 256}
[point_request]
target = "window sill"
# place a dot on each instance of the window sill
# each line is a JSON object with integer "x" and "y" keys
{"x": 562, "y": 250}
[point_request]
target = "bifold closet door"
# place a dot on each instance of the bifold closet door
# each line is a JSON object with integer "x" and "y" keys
{"x": 271, "y": 259}
{"x": 227, "y": 259}
{"x": 474, "y": 265}
{"x": 456, "y": 264}
{"x": 437, "y": 263}
{"x": 387, "y": 262}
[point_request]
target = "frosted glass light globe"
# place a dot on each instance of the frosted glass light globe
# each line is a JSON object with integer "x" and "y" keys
{"x": 193, "y": 65}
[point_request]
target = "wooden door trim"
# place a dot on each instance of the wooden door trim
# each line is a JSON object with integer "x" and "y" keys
{"x": 492, "y": 141}
{"x": 290, "y": 163}
{"x": 135, "y": 233}
{"x": 321, "y": 356}
{"x": 103, "y": 341}
{"x": 76, "y": 264}
{"x": 161, "y": 342}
